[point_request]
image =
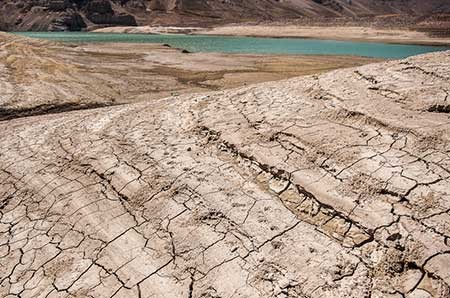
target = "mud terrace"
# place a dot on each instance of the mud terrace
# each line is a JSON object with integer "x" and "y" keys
{"x": 332, "y": 185}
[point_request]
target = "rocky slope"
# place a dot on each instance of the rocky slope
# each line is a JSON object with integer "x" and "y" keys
{"x": 81, "y": 14}
{"x": 336, "y": 185}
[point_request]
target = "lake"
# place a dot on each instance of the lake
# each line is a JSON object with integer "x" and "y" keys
{"x": 248, "y": 45}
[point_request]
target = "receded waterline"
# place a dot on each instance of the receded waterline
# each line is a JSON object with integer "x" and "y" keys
{"x": 248, "y": 45}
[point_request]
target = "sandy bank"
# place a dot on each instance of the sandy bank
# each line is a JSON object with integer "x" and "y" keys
{"x": 291, "y": 31}
{"x": 336, "y": 33}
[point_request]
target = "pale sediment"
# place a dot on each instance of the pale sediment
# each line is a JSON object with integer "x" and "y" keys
{"x": 334, "y": 185}
{"x": 354, "y": 33}
{"x": 348, "y": 33}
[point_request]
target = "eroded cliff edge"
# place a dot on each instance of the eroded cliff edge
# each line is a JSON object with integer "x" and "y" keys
{"x": 335, "y": 185}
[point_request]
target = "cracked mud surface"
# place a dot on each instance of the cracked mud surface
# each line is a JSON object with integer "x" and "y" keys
{"x": 335, "y": 185}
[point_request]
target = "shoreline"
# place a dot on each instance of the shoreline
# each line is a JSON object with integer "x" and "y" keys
{"x": 386, "y": 41}
{"x": 340, "y": 33}
{"x": 151, "y": 71}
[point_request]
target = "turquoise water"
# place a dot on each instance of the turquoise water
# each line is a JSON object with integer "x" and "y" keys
{"x": 248, "y": 45}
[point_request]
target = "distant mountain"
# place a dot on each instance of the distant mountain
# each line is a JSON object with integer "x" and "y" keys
{"x": 81, "y": 14}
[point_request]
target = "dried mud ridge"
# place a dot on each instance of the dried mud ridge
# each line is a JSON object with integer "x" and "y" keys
{"x": 11, "y": 113}
{"x": 335, "y": 185}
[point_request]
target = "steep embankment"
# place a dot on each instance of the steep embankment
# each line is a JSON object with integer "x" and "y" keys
{"x": 41, "y": 15}
{"x": 324, "y": 186}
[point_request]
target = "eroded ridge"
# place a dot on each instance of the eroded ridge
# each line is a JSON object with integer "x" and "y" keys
{"x": 325, "y": 186}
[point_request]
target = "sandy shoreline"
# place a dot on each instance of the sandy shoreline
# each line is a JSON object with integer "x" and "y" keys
{"x": 109, "y": 74}
{"x": 366, "y": 34}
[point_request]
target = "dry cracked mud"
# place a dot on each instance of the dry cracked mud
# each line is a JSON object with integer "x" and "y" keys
{"x": 332, "y": 185}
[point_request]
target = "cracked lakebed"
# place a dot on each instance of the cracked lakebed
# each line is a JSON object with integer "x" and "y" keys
{"x": 332, "y": 185}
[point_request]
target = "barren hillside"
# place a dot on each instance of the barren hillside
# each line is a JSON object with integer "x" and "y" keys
{"x": 81, "y": 14}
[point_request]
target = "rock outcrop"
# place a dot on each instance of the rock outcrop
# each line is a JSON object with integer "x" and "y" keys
{"x": 62, "y": 15}
{"x": 101, "y": 12}
{"x": 336, "y": 185}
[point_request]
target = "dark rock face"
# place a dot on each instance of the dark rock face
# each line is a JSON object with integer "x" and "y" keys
{"x": 58, "y": 5}
{"x": 111, "y": 19}
{"x": 101, "y": 12}
{"x": 99, "y": 7}
{"x": 70, "y": 21}
{"x": 62, "y": 15}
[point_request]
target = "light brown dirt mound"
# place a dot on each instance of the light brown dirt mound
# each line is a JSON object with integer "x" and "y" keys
{"x": 335, "y": 185}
